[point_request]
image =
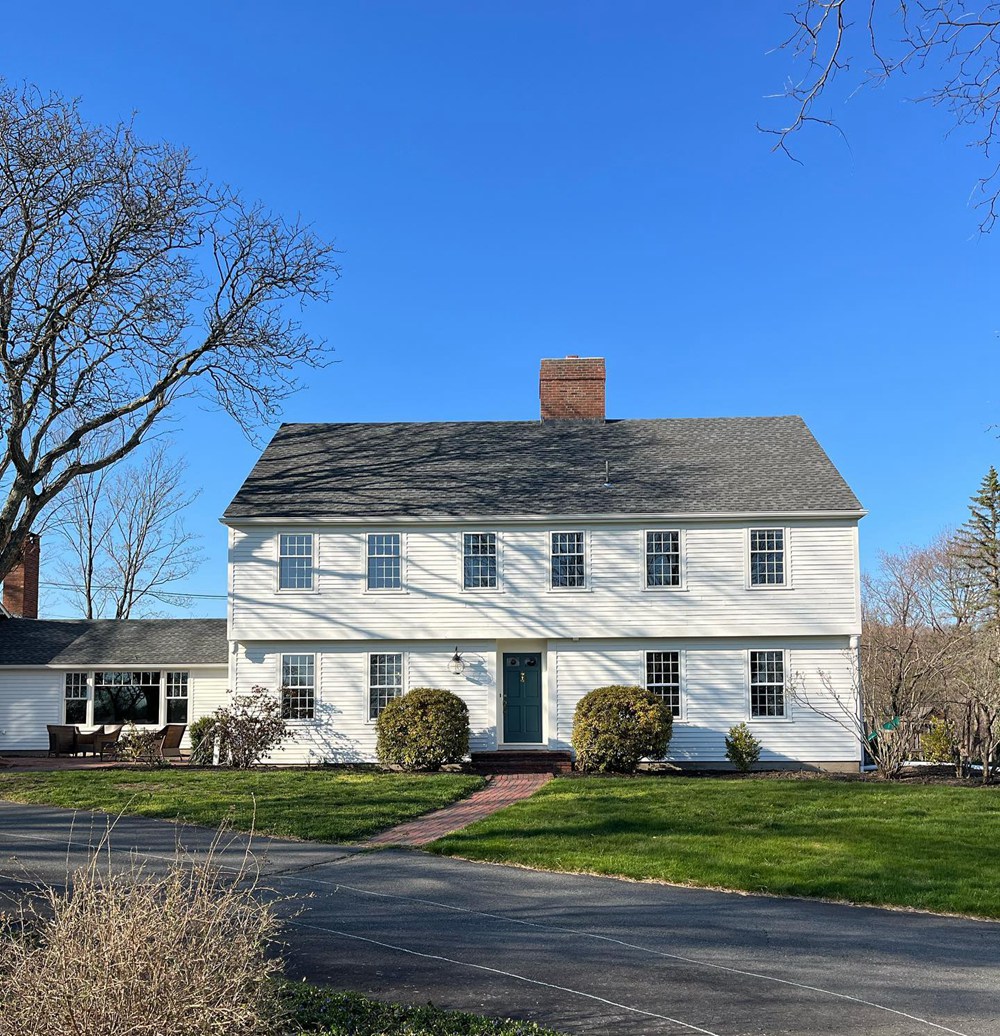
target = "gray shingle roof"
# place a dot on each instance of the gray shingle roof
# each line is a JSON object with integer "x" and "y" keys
{"x": 673, "y": 466}
{"x": 113, "y": 642}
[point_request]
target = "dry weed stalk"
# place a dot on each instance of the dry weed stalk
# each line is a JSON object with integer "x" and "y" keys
{"x": 123, "y": 951}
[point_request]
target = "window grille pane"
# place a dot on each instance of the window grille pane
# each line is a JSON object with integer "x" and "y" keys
{"x": 568, "y": 561}
{"x": 177, "y": 697}
{"x": 76, "y": 698}
{"x": 295, "y": 561}
{"x": 663, "y": 678}
{"x": 123, "y": 696}
{"x": 663, "y": 558}
{"x": 298, "y": 686}
{"x": 385, "y": 681}
{"x": 767, "y": 683}
{"x": 480, "y": 560}
{"x": 384, "y": 564}
{"x": 767, "y": 557}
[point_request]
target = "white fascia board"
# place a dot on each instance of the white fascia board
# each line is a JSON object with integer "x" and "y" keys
{"x": 549, "y": 519}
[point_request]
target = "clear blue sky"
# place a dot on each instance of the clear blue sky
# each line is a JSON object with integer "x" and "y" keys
{"x": 513, "y": 179}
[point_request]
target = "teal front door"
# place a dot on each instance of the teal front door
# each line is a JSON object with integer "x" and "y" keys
{"x": 522, "y": 699}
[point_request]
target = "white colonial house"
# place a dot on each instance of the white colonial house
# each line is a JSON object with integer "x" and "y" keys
{"x": 518, "y": 564}
{"x": 522, "y": 564}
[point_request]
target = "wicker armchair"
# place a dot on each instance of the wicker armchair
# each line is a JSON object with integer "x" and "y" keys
{"x": 62, "y": 739}
{"x": 170, "y": 740}
{"x": 86, "y": 741}
{"x": 107, "y": 741}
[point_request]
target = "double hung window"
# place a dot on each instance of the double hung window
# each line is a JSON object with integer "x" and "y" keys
{"x": 568, "y": 561}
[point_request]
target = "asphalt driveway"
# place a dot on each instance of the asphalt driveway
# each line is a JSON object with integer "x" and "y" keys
{"x": 585, "y": 955}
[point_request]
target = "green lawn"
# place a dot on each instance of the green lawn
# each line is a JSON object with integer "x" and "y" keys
{"x": 314, "y": 1009}
{"x": 320, "y": 805}
{"x": 933, "y": 847}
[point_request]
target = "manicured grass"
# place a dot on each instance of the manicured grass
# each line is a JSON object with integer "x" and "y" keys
{"x": 319, "y": 805}
{"x": 927, "y": 846}
{"x": 314, "y": 1009}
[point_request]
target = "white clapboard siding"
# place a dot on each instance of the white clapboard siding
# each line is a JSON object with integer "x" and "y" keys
{"x": 715, "y": 695}
{"x": 821, "y": 600}
{"x": 29, "y": 700}
{"x": 715, "y": 690}
{"x": 341, "y": 731}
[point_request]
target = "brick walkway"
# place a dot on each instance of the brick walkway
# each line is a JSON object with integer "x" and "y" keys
{"x": 501, "y": 790}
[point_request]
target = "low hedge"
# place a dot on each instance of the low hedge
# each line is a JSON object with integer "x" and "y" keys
{"x": 615, "y": 727}
{"x": 423, "y": 730}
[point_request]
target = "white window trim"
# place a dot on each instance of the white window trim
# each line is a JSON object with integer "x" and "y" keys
{"x": 404, "y": 679}
{"x": 786, "y": 539}
{"x": 751, "y": 718}
{"x": 282, "y": 655}
{"x": 681, "y": 546}
{"x": 163, "y": 693}
{"x": 278, "y": 588}
{"x": 588, "y": 584}
{"x": 681, "y": 674}
{"x": 162, "y": 703}
{"x": 499, "y": 588}
{"x": 88, "y": 709}
{"x": 385, "y": 590}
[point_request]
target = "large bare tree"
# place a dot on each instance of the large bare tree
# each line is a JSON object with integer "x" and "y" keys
{"x": 125, "y": 543}
{"x": 129, "y": 280}
{"x": 948, "y": 49}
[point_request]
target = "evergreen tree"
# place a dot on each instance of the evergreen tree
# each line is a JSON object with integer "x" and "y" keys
{"x": 979, "y": 541}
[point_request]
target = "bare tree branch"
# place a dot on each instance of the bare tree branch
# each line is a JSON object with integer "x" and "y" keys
{"x": 950, "y": 48}
{"x": 128, "y": 281}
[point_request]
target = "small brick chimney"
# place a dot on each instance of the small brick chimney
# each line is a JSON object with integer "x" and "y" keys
{"x": 20, "y": 585}
{"x": 572, "y": 388}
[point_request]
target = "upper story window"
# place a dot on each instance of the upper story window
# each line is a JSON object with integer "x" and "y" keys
{"x": 479, "y": 560}
{"x": 384, "y": 561}
{"x": 663, "y": 558}
{"x": 767, "y": 684}
{"x": 663, "y": 678}
{"x": 76, "y": 698}
{"x": 298, "y": 686}
{"x": 295, "y": 561}
{"x": 385, "y": 681}
{"x": 177, "y": 697}
{"x": 767, "y": 557}
{"x": 569, "y": 566}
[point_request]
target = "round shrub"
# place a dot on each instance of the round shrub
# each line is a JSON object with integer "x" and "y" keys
{"x": 423, "y": 729}
{"x": 197, "y": 732}
{"x": 742, "y": 748}
{"x": 614, "y": 727}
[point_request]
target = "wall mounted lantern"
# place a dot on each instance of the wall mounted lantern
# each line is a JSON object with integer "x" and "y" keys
{"x": 457, "y": 663}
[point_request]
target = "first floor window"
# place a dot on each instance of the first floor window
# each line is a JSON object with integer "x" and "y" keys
{"x": 177, "y": 697}
{"x": 663, "y": 678}
{"x": 76, "y": 698}
{"x": 568, "y": 561}
{"x": 384, "y": 561}
{"x": 479, "y": 560}
{"x": 767, "y": 683}
{"x": 295, "y": 561}
{"x": 663, "y": 558}
{"x": 298, "y": 686}
{"x": 127, "y": 697}
{"x": 767, "y": 557}
{"x": 385, "y": 681}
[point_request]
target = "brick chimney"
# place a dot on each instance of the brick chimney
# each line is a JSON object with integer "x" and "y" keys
{"x": 572, "y": 388}
{"x": 20, "y": 585}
